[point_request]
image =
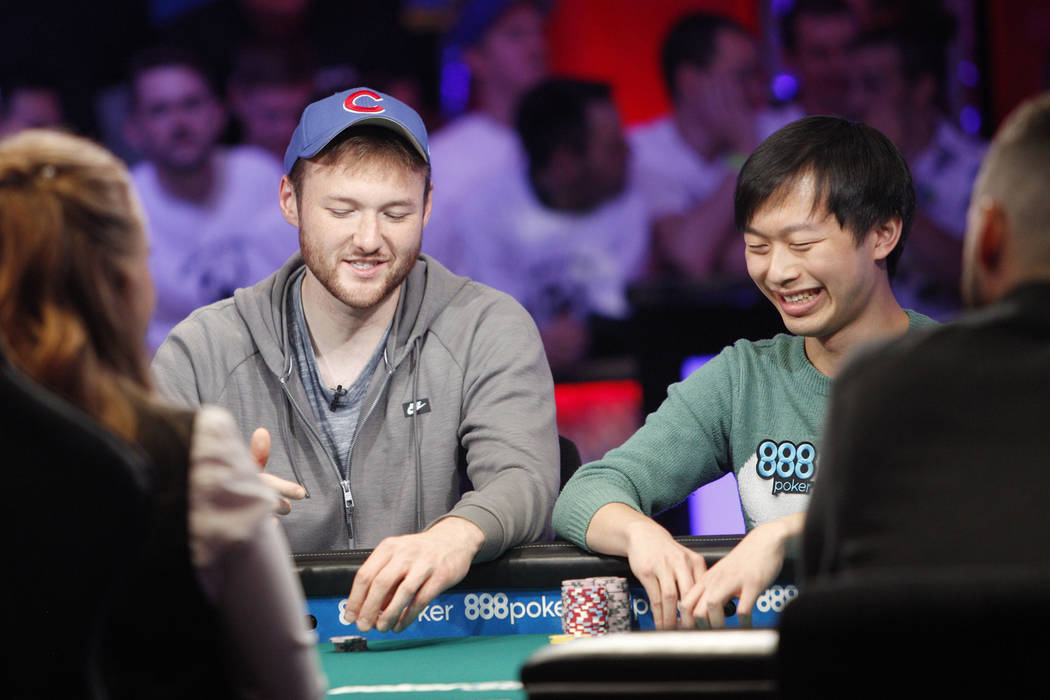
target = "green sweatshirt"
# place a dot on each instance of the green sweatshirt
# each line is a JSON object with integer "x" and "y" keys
{"x": 756, "y": 409}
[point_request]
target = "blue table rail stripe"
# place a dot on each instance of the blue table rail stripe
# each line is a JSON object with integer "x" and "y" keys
{"x": 458, "y": 613}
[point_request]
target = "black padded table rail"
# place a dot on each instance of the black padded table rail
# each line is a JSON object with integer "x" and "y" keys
{"x": 536, "y": 565}
{"x": 712, "y": 663}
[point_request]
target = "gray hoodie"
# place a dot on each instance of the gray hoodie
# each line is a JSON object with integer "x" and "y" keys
{"x": 462, "y": 403}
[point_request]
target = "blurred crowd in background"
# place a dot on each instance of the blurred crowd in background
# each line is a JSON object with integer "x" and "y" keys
{"x": 598, "y": 201}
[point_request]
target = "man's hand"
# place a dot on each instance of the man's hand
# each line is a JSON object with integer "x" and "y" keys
{"x": 743, "y": 574}
{"x": 260, "y": 448}
{"x": 403, "y": 574}
{"x": 666, "y": 569}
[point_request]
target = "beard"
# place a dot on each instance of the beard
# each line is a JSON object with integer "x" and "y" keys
{"x": 356, "y": 294}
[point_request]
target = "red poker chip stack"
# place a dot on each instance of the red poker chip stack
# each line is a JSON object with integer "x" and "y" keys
{"x": 594, "y": 606}
{"x": 584, "y": 605}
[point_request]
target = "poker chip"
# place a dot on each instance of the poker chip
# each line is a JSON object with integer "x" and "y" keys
{"x": 618, "y": 599}
{"x": 561, "y": 638}
{"x": 350, "y": 642}
{"x": 595, "y": 606}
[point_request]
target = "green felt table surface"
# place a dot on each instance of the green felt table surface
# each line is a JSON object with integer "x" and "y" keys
{"x": 455, "y": 668}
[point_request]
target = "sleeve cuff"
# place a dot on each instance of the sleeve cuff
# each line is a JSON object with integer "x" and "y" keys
{"x": 490, "y": 525}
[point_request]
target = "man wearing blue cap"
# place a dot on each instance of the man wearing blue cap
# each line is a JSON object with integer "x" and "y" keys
{"x": 410, "y": 409}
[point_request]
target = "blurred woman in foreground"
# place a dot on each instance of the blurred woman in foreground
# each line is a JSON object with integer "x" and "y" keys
{"x": 214, "y": 609}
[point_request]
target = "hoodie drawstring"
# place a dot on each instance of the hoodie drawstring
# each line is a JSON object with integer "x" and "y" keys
{"x": 417, "y": 440}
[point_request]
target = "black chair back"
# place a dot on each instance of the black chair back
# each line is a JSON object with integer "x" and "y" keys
{"x": 76, "y": 509}
{"x": 939, "y": 633}
{"x": 570, "y": 458}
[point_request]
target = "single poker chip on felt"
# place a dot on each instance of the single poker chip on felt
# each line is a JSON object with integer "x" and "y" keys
{"x": 350, "y": 642}
{"x": 562, "y": 638}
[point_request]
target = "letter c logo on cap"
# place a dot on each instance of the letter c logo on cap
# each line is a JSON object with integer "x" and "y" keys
{"x": 350, "y": 104}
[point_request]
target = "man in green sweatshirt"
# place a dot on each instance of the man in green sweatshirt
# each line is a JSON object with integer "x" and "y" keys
{"x": 824, "y": 206}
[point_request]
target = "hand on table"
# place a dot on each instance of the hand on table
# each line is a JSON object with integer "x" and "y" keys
{"x": 666, "y": 569}
{"x": 260, "y": 448}
{"x": 403, "y": 574}
{"x": 744, "y": 574}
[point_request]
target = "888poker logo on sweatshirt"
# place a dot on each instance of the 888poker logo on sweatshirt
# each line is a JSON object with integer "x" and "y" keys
{"x": 789, "y": 466}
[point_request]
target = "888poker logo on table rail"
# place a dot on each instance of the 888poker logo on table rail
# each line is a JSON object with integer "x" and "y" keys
{"x": 512, "y": 611}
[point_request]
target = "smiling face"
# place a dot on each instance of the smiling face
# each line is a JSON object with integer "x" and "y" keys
{"x": 360, "y": 227}
{"x": 818, "y": 277}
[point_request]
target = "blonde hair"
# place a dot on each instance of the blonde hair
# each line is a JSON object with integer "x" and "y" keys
{"x": 68, "y": 227}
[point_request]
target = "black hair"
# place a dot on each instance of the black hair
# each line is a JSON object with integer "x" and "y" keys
{"x": 553, "y": 115}
{"x": 820, "y": 8}
{"x": 692, "y": 41}
{"x": 167, "y": 56}
{"x": 859, "y": 176}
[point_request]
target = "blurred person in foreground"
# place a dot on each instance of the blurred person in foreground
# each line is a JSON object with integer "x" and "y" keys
{"x": 973, "y": 395}
{"x": 824, "y": 206}
{"x": 75, "y": 300}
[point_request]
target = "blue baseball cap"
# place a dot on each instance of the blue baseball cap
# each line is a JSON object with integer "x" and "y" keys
{"x": 325, "y": 119}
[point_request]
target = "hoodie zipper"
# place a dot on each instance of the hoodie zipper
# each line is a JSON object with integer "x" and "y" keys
{"x": 348, "y": 498}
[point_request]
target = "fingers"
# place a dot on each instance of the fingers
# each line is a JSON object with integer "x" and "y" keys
{"x": 714, "y": 608}
{"x": 746, "y": 604}
{"x": 389, "y": 599}
{"x": 665, "y": 613}
{"x": 401, "y": 577}
{"x": 692, "y": 597}
{"x": 260, "y": 446}
{"x": 712, "y": 602}
{"x": 285, "y": 489}
{"x": 363, "y": 584}
{"x": 652, "y": 592}
{"x": 426, "y": 593}
{"x": 662, "y": 591}
{"x": 686, "y": 618}
{"x": 666, "y": 580}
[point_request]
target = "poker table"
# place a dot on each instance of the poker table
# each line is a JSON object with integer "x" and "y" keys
{"x": 474, "y": 639}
